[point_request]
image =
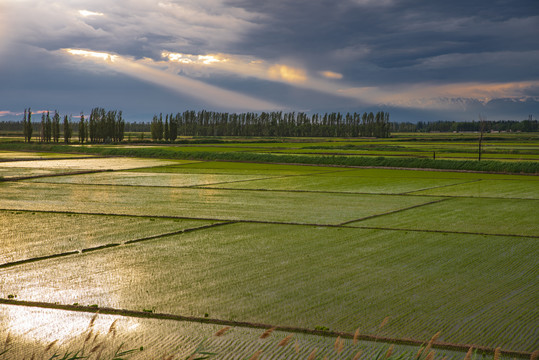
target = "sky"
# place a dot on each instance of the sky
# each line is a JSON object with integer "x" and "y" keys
{"x": 422, "y": 60}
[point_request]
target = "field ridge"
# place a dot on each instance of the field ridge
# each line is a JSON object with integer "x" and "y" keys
{"x": 110, "y": 245}
{"x": 246, "y": 324}
{"x": 395, "y": 211}
{"x": 230, "y": 221}
{"x": 489, "y": 166}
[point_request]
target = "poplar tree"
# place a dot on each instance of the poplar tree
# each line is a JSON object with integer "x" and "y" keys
{"x": 86, "y": 129}
{"x": 43, "y": 128}
{"x": 120, "y": 126}
{"x": 24, "y": 126}
{"x": 56, "y": 126}
{"x": 92, "y": 127}
{"x": 110, "y": 127}
{"x": 153, "y": 127}
{"x": 30, "y": 129}
{"x": 160, "y": 127}
{"x": 48, "y": 128}
{"x": 67, "y": 130}
{"x": 173, "y": 129}
{"x": 167, "y": 133}
{"x": 82, "y": 129}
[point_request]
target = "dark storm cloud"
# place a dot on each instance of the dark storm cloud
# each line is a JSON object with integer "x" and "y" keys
{"x": 47, "y": 81}
{"x": 432, "y": 57}
{"x": 367, "y": 39}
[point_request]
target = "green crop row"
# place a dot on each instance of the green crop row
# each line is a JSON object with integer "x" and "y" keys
{"x": 215, "y": 154}
{"x": 29, "y": 234}
{"x": 338, "y": 278}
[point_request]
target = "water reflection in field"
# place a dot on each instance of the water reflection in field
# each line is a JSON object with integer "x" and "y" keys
{"x": 150, "y": 179}
{"x": 89, "y": 164}
{"x": 202, "y": 203}
{"x": 7, "y": 155}
{"x": 33, "y": 329}
{"x": 26, "y": 235}
{"x": 88, "y": 279}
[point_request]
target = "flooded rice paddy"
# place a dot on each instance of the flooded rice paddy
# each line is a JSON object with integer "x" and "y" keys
{"x": 86, "y": 164}
{"x": 163, "y": 338}
{"x": 128, "y": 178}
{"x": 301, "y": 246}
{"x": 18, "y": 155}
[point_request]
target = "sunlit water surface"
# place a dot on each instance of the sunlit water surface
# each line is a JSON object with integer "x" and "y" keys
{"x": 89, "y": 164}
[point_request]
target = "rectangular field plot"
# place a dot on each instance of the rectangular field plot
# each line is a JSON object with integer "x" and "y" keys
{"x": 7, "y": 155}
{"x": 12, "y": 172}
{"x": 526, "y": 189}
{"x": 149, "y": 179}
{"x": 32, "y": 329}
{"x": 89, "y": 164}
{"x": 238, "y": 168}
{"x": 487, "y": 216}
{"x": 427, "y": 174}
{"x": 27, "y": 235}
{"x": 474, "y": 289}
{"x": 337, "y": 183}
{"x": 312, "y": 208}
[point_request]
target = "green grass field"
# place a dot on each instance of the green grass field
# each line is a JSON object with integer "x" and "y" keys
{"x": 501, "y": 152}
{"x": 288, "y": 245}
{"x": 473, "y": 215}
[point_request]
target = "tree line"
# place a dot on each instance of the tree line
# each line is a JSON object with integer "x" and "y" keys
{"x": 109, "y": 126}
{"x": 102, "y": 126}
{"x": 279, "y": 124}
{"x": 50, "y": 127}
{"x": 528, "y": 125}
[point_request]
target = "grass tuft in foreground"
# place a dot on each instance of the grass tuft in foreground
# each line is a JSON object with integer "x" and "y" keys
{"x": 93, "y": 345}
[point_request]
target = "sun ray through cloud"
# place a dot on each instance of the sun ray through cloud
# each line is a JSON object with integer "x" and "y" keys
{"x": 181, "y": 84}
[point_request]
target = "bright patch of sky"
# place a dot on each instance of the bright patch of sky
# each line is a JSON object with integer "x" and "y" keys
{"x": 86, "y": 13}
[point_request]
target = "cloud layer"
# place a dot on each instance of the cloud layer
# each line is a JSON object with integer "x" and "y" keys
{"x": 424, "y": 60}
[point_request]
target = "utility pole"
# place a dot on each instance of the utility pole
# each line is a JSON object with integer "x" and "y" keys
{"x": 482, "y": 129}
